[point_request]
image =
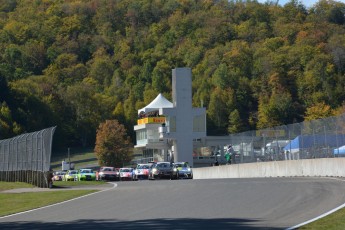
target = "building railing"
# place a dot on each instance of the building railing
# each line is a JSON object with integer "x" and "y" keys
{"x": 148, "y": 120}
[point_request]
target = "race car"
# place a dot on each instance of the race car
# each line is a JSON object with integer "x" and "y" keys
{"x": 58, "y": 175}
{"x": 183, "y": 170}
{"x": 126, "y": 174}
{"x": 71, "y": 175}
{"x": 160, "y": 170}
{"x": 108, "y": 173}
{"x": 86, "y": 174}
{"x": 142, "y": 171}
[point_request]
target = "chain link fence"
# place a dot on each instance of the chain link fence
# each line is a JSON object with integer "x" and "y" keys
{"x": 322, "y": 138}
{"x": 26, "y": 158}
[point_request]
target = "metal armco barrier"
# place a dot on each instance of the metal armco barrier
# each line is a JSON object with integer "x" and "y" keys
{"x": 26, "y": 158}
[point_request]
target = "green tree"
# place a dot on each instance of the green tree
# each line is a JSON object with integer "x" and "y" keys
{"x": 221, "y": 77}
{"x": 4, "y": 91}
{"x": 218, "y": 111}
{"x": 82, "y": 101}
{"x": 113, "y": 146}
{"x": 101, "y": 68}
{"x": 161, "y": 76}
{"x": 8, "y": 127}
{"x": 67, "y": 69}
{"x": 274, "y": 110}
{"x": 235, "y": 122}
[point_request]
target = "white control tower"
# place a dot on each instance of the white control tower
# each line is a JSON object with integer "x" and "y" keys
{"x": 178, "y": 125}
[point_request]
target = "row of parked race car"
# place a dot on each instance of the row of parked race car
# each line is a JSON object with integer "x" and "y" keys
{"x": 151, "y": 171}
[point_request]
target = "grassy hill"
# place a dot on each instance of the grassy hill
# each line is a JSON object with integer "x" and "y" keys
{"x": 82, "y": 158}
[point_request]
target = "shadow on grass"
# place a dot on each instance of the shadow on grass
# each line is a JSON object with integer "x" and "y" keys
{"x": 153, "y": 224}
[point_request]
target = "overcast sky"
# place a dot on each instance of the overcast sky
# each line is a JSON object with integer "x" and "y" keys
{"x": 307, "y": 3}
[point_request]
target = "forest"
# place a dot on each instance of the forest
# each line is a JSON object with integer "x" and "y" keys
{"x": 76, "y": 63}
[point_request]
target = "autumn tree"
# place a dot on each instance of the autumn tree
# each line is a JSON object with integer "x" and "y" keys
{"x": 113, "y": 146}
{"x": 317, "y": 111}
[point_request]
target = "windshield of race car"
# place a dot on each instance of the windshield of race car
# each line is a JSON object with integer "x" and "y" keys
{"x": 163, "y": 165}
{"x": 125, "y": 170}
{"x": 106, "y": 169}
{"x": 143, "y": 167}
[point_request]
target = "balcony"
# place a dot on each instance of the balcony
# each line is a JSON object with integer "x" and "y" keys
{"x": 151, "y": 120}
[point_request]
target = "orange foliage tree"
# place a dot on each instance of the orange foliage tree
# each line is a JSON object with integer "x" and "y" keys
{"x": 113, "y": 146}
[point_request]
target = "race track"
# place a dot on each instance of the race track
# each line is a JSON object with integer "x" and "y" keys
{"x": 261, "y": 203}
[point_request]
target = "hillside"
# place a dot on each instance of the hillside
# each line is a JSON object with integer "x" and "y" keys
{"x": 75, "y": 63}
{"x": 81, "y": 158}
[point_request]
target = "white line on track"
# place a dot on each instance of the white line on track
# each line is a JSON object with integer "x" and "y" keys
{"x": 323, "y": 215}
{"x": 114, "y": 186}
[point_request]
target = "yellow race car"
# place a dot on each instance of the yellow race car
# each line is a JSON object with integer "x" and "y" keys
{"x": 71, "y": 175}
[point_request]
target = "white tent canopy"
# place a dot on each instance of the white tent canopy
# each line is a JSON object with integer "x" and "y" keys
{"x": 159, "y": 102}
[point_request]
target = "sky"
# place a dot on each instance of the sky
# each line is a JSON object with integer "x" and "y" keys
{"x": 307, "y": 3}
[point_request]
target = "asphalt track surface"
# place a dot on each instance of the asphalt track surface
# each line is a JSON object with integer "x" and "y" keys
{"x": 260, "y": 203}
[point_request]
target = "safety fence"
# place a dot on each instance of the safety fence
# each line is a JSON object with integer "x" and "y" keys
{"x": 321, "y": 138}
{"x": 26, "y": 158}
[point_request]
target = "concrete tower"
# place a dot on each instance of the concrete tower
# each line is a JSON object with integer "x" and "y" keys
{"x": 182, "y": 100}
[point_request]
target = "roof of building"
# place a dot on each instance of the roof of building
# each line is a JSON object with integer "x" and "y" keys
{"x": 159, "y": 102}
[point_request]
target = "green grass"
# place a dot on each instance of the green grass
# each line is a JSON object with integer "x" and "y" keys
{"x": 335, "y": 221}
{"x": 80, "y": 158}
{"x": 18, "y": 202}
{"x": 13, "y": 185}
{"x": 77, "y": 183}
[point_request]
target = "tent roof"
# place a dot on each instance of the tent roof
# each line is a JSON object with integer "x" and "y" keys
{"x": 159, "y": 102}
{"x": 318, "y": 140}
{"x": 340, "y": 150}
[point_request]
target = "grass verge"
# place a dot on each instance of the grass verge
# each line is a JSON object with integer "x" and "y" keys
{"x": 77, "y": 183}
{"x": 13, "y": 185}
{"x": 81, "y": 158}
{"x": 335, "y": 221}
{"x": 18, "y": 202}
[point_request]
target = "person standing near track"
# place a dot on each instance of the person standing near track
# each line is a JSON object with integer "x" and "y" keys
{"x": 228, "y": 154}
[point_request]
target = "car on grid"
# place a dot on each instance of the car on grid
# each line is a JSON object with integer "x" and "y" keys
{"x": 160, "y": 170}
{"x": 183, "y": 170}
{"x": 58, "y": 175}
{"x": 142, "y": 171}
{"x": 71, "y": 175}
{"x": 108, "y": 173}
{"x": 86, "y": 175}
{"x": 126, "y": 174}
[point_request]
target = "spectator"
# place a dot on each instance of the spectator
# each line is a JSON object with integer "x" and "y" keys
{"x": 228, "y": 157}
{"x": 231, "y": 153}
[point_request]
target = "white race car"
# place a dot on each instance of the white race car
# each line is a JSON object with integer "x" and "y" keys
{"x": 126, "y": 174}
{"x": 142, "y": 171}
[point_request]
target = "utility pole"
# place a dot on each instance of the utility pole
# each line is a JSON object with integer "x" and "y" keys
{"x": 69, "y": 160}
